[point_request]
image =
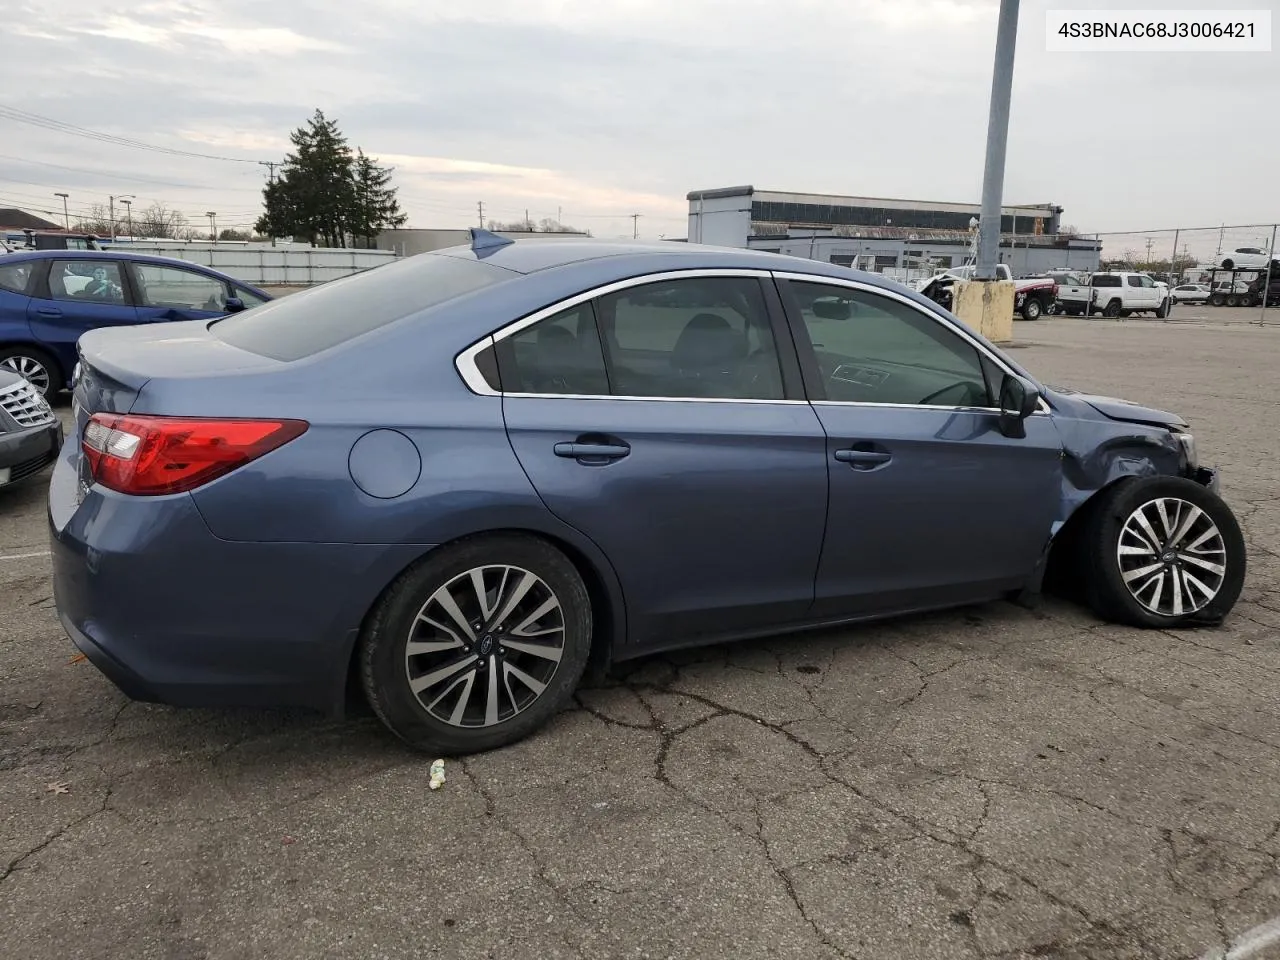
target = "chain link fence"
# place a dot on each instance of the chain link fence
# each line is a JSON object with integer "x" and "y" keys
{"x": 1215, "y": 268}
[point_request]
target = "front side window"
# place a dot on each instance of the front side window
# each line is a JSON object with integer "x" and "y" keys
{"x": 692, "y": 337}
{"x": 875, "y": 349}
{"x": 560, "y": 355}
{"x": 93, "y": 281}
{"x": 1134, "y": 281}
{"x": 174, "y": 287}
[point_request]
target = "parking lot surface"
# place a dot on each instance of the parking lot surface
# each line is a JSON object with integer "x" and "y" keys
{"x": 989, "y": 782}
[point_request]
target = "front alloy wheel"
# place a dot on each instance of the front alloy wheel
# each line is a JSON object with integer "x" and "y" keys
{"x": 1163, "y": 552}
{"x": 1172, "y": 557}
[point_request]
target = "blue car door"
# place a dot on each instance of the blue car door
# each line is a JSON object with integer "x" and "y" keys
{"x": 930, "y": 503}
{"x": 166, "y": 293}
{"x": 77, "y": 295}
{"x": 664, "y": 421}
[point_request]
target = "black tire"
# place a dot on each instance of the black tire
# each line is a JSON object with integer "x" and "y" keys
{"x": 47, "y": 376}
{"x": 1032, "y": 310}
{"x": 1228, "y": 264}
{"x": 1217, "y": 300}
{"x": 1112, "y": 309}
{"x": 1108, "y": 594}
{"x": 384, "y": 669}
{"x": 1248, "y": 301}
{"x": 1233, "y": 300}
{"x": 1163, "y": 310}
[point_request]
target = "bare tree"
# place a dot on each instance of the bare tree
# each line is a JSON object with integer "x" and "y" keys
{"x": 96, "y": 222}
{"x": 159, "y": 222}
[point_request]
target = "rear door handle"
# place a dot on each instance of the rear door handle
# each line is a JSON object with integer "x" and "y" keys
{"x": 864, "y": 459}
{"x": 591, "y": 451}
{"x": 49, "y": 312}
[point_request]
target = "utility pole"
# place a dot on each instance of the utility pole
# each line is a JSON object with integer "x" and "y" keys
{"x": 480, "y": 207}
{"x": 111, "y": 209}
{"x": 66, "y": 215}
{"x": 213, "y": 224}
{"x": 997, "y": 142}
{"x": 527, "y": 225}
{"x": 271, "y": 169}
{"x": 128, "y": 213}
{"x": 1150, "y": 243}
{"x": 635, "y": 225}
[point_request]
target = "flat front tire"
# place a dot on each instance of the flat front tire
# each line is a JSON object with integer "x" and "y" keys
{"x": 478, "y": 645}
{"x": 1163, "y": 552}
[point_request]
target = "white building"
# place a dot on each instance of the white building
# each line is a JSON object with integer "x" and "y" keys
{"x": 881, "y": 235}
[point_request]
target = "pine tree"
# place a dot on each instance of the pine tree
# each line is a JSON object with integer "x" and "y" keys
{"x": 314, "y": 194}
{"x": 375, "y": 206}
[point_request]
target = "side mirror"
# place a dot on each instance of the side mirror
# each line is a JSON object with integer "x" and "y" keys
{"x": 1019, "y": 398}
{"x": 233, "y": 305}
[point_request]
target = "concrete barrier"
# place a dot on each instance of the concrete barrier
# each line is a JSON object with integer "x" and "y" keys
{"x": 985, "y": 306}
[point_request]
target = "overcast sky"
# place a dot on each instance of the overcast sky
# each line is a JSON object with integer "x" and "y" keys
{"x": 602, "y": 108}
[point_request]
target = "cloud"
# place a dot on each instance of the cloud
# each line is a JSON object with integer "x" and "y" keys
{"x": 605, "y": 109}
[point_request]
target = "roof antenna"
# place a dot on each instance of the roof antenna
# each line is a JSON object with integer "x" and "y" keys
{"x": 482, "y": 240}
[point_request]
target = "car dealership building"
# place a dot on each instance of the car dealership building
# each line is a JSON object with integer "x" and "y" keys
{"x": 881, "y": 235}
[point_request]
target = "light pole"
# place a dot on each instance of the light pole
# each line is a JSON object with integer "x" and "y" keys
{"x": 128, "y": 214}
{"x": 997, "y": 142}
{"x": 111, "y": 209}
{"x": 213, "y": 224}
{"x": 66, "y": 215}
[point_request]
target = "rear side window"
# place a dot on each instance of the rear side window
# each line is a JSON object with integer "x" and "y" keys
{"x": 560, "y": 355}
{"x": 306, "y": 323}
{"x": 1105, "y": 280}
{"x": 14, "y": 277}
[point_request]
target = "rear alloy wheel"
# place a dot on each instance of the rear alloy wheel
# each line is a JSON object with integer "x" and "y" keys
{"x": 478, "y": 646}
{"x": 1164, "y": 552}
{"x": 34, "y": 366}
{"x": 1031, "y": 310}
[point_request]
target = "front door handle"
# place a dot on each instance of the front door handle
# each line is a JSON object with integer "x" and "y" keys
{"x": 864, "y": 459}
{"x": 591, "y": 451}
{"x": 49, "y": 312}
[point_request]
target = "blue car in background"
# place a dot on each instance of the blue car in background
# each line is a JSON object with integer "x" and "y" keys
{"x": 462, "y": 479}
{"x": 49, "y": 298}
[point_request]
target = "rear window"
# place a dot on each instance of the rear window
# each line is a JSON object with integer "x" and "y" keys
{"x": 14, "y": 277}
{"x": 1106, "y": 280}
{"x": 301, "y": 324}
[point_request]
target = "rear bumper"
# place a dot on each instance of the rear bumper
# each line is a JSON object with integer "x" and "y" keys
{"x": 171, "y": 614}
{"x": 24, "y": 453}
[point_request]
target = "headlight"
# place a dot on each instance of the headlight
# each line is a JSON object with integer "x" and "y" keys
{"x": 1189, "y": 448}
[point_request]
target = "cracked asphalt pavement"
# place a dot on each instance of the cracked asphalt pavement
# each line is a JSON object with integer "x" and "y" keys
{"x": 992, "y": 782}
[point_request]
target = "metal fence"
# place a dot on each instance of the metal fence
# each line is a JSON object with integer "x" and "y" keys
{"x": 271, "y": 266}
{"x": 1235, "y": 265}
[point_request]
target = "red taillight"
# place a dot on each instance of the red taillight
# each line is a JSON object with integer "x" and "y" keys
{"x": 149, "y": 456}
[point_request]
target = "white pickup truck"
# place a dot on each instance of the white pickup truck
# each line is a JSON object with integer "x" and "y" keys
{"x": 1121, "y": 294}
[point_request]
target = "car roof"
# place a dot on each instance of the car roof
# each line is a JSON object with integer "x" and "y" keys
{"x": 536, "y": 255}
{"x": 35, "y": 255}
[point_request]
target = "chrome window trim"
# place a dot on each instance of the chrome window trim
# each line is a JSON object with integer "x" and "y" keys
{"x": 960, "y": 330}
{"x": 470, "y": 372}
{"x": 467, "y": 368}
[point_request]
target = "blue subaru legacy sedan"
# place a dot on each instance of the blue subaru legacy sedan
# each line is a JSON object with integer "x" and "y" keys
{"x": 467, "y": 477}
{"x": 48, "y": 298}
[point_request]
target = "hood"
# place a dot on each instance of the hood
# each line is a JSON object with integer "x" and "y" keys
{"x": 1125, "y": 411}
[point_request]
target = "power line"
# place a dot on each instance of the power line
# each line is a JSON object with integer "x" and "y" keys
{"x": 8, "y": 112}
{"x": 110, "y": 176}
